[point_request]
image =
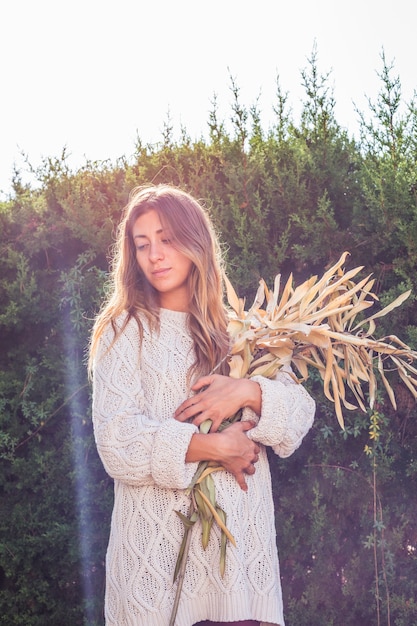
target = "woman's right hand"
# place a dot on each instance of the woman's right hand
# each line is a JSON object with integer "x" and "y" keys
{"x": 236, "y": 453}
{"x": 231, "y": 448}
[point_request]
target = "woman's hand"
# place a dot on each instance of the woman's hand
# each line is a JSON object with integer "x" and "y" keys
{"x": 218, "y": 398}
{"x": 239, "y": 454}
{"x": 231, "y": 448}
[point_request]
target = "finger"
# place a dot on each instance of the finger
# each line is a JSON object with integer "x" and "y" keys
{"x": 247, "y": 425}
{"x": 187, "y": 410}
{"x": 183, "y": 415}
{"x": 179, "y": 413}
{"x": 205, "y": 415}
{"x": 241, "y": 481}
{"x": 205, "y": 381}
{"x": 200, "y": 418}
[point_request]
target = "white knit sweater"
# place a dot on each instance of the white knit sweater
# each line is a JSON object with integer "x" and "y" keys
{"x": 136, "y": 391}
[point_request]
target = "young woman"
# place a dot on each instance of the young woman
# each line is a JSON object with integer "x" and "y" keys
{"x": 155, "y": 344}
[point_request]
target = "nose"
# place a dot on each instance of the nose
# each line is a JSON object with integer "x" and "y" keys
{"x": 155, "y": 252}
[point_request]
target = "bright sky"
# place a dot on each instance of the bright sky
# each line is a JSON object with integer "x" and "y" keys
{"x": 91, "y": 75}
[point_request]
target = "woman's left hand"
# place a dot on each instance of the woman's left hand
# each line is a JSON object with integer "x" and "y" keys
{"x": 218, "y": 398}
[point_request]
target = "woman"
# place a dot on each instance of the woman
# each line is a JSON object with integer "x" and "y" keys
{"x": 154, "y": 345}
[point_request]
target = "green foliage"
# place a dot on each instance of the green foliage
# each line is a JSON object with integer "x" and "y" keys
{"x": 386, "y": 208}
{"x": 344, "y": 522}
{"x": 290, "y": 199}
{"x": 49, "y": 467}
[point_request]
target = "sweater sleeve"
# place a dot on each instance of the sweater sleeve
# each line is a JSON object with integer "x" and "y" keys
{"x": 287, "y": 414}
{"x": 134, "y": 447}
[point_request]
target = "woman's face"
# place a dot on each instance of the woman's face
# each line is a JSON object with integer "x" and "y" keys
{"x": 166, "y": 268}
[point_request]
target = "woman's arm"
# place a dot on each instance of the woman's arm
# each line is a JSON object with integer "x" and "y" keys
{"x": 219, "y": 397}
{"x": 282, "y": 410}
{"x": 135, "y": 447}
{"x": 287, "y": 414}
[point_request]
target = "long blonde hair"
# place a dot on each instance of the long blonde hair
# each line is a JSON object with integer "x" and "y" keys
{"x": 192, "y": 234}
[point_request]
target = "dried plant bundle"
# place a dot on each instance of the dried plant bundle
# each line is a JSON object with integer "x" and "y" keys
{"x": 318, "y": 325}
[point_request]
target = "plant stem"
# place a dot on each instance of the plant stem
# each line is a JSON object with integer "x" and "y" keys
{"x": 181, "y": 571}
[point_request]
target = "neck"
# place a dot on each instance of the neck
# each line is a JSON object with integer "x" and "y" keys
{"x": 174, "y": 304}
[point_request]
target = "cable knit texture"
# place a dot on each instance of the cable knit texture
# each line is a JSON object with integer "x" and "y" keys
{"x": 137, "y": 388}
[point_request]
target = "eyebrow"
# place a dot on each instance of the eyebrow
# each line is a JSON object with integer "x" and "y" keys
{"x": 158, "y": 232}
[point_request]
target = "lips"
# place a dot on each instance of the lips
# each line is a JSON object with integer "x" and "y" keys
{"x": 160, "y": 272}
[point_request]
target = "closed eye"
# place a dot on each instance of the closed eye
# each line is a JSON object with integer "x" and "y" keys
{"x": 143, "y": 246}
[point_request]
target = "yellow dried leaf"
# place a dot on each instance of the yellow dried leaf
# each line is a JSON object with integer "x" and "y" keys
{"x": 336, "y": 398}
{"x": 386, "y": 383}
{"x": 268, "y": 370}
{"x": 259, "y": 298}
{"x": 232, "y": 297}
{"x": 236, "y": 366}
{"x": 235, "y": 326}
{"x": 302, "y": 366}
{"x": 409, "y": 383}
{"x": 272, "y": 300}
{"x": 396, "y": 303}
{"x": 218, "y": 519}
{"x": 285, "y": 295}
{"x": 328, "y": 373}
